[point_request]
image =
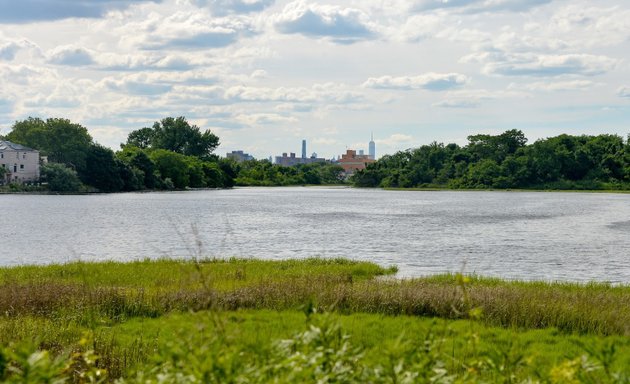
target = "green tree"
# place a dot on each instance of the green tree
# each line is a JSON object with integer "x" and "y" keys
{"x": 172, "y": 166}
{"x": 496, "y": 147}
{"x": 141, "y": 138}
{"x": 60, "y": 178}
{"x": 213, "y": 175}
{"x": 59, "y": 139}
{"x": 103, "y": 169}
{"x": 176, "y": 135}
{"x": 137, "y": 158}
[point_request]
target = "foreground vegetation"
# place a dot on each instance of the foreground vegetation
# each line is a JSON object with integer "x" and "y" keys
{"x": 503, "y": 161}
{"x": 308, "y": 320}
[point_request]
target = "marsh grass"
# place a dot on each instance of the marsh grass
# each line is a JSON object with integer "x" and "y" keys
{"x": 93, "y": 294}
{"x": 51, "y": 307}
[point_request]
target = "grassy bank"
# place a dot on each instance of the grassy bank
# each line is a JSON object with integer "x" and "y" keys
{"x": 303, "y": 320}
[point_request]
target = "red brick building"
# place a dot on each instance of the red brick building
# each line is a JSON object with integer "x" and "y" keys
{"x": 351, "y": 162}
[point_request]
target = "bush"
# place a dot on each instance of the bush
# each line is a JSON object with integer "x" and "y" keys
{"x": 60, "y": 178}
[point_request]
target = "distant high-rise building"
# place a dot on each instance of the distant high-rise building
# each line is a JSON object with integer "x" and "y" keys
{"x": 372, "y": 150}
{"x": 239, "y": 156}
{"x": 291, "y": 159}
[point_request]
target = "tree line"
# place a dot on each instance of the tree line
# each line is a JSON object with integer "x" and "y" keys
{"x": 264, "y": 173}
{"x": 172, "y": 154}
{"x": 507, "y": 161}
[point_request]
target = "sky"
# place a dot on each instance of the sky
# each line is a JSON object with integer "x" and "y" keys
{"x": 265, "y": 74}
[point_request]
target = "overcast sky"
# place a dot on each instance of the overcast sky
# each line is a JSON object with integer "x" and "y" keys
{"x": 264, "y": 74}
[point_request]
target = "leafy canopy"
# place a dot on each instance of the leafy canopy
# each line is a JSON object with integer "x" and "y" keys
{"x": 176, "y": 135}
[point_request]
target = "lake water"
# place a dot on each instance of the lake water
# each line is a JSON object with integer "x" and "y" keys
{"x": 524, "y": 235}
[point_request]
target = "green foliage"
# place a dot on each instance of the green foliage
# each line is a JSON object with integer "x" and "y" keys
{"x": 60, "y": 178}
{"x": 263, "y": 173}
{"x": 103, "y": 169}
{"x": 187, "y": 321}
{"x": 141, "y": 165}
{"x": 286, "y": 347}
{"x": 172, "y": 154}
{"x": 172, "y": 166}
{"x": 176, "y": 135}
{"x": 61, "y": 140}
{"x": 505, "y": 161}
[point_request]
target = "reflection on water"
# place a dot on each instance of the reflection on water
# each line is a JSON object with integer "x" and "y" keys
{"x": 549, "y": 236}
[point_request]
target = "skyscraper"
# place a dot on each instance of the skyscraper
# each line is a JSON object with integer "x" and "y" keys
{"x": 304, "y": 149}
{"x": 372, "y": 148}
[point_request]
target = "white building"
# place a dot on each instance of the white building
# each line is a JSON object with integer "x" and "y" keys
{"x": 21, "y": 164}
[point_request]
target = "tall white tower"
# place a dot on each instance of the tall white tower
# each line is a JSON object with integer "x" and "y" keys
{"x": 372, "y": 148}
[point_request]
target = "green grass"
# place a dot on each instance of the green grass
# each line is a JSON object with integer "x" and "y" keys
{"x": 167, "y": 274}
{"x": 225, "y": 321}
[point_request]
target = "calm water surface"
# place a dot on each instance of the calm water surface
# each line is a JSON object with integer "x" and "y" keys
{"x": 533, "y": 236}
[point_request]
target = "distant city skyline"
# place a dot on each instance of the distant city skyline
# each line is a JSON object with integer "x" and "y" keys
{"x": 265, "y": 74}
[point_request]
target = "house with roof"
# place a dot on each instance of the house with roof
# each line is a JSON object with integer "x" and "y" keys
{"x": 20, "y": 163}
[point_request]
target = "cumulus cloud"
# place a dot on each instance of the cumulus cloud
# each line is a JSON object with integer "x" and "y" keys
{"x": 140, "y": 84}
{"x": 588, "y": 26}
{"x": 264, "y": 119}
{"x": 25, "y": 11}
{"x": 10, "y": 49}
{"x": 225, "y": 7}
{"x": 544, "y": 86}
{"x": 473, "y": 98}
{"x": 189, "y": 30}
{"x": 153, "y": 61}
{"x": 542, "y": 65}
{"x": 25, "y": 75}
{"x": 475, "y": 6}
{"x": 395, "y": 140}
{"x": 341, "y": 25}
{"x": 322, "y": 93}
{"x": 624, "y": 92}
{"x": 429, "y": 81}
{"x": 457, "y": 103}
{"x": 53, "y": 101}
{"x": 71, "y": 56}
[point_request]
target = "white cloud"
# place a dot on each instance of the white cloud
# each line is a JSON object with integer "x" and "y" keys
{"x": 186, "y": 30}
{"x": 264, "y": 119}
{"x": 429, "y": 81}
{"x": 474, "y": 6}
{"x": 224, "y": 7}
{"x": 70, "y": 55}
{"x": 542, "y": 65}
{"x": 395, "y": 140}
{"x": 138, "y": 84}
{"x": 474, "y": 98}
{"x": 572, "y": 85}
{"x": 624, "y": 92}
{"x": 458, "y": 103}
{"x": 320, "y": 93}
{"x": 25, "y": 11}
{"x": 9, "y": 50}
{"x": 325, "y": 141}
{"x": 341, "y": 25}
